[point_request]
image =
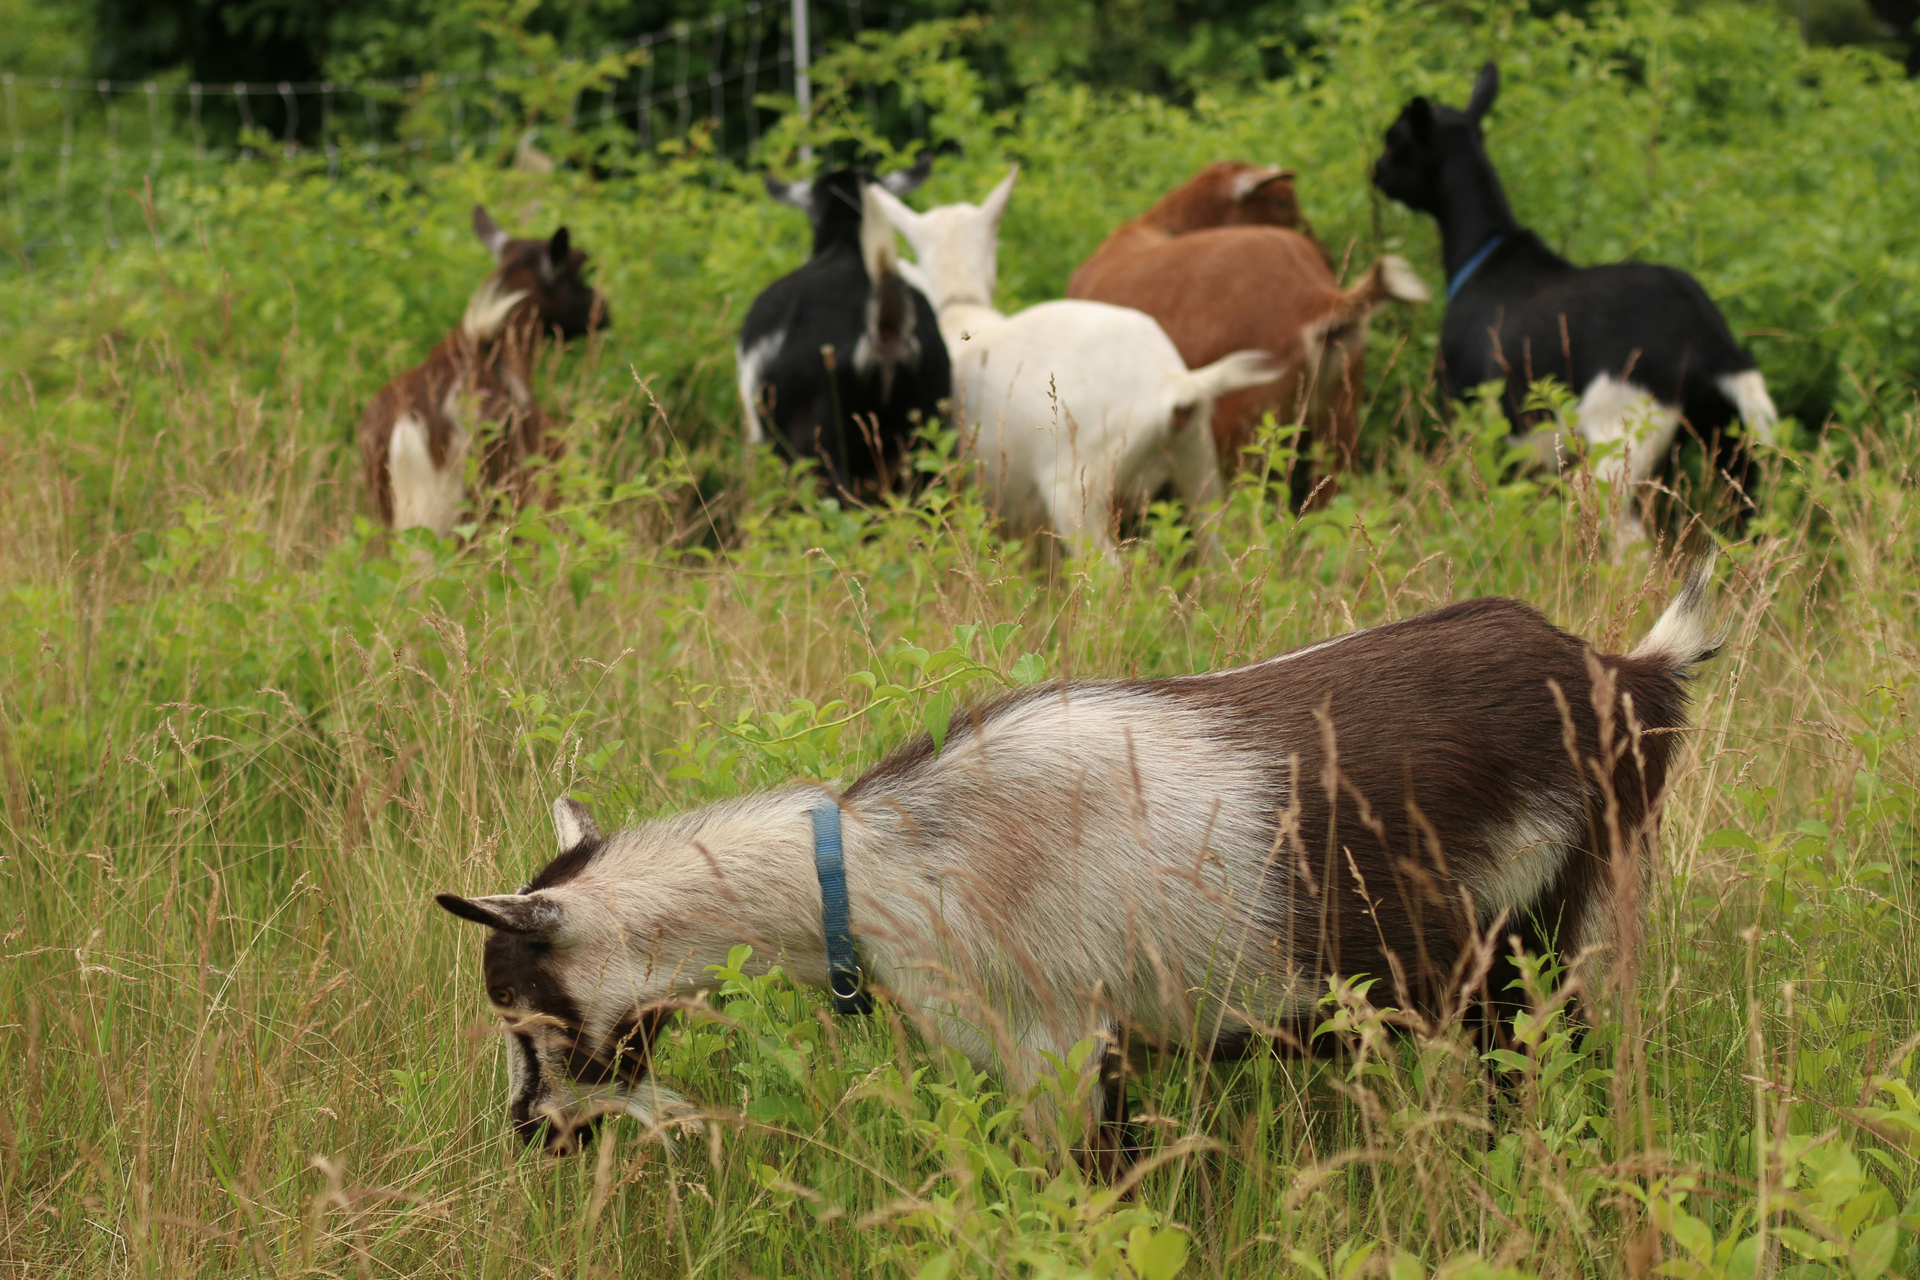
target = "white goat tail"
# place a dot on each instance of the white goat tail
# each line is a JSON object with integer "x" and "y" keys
{"x": 1684, "y": 635}
{"x": 1230, "y": 373}
{"x": 1395, "y": 280}
{"x": 1748, "y": 392}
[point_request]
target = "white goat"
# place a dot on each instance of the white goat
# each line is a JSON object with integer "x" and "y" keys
{"x": 1075, "y": 410}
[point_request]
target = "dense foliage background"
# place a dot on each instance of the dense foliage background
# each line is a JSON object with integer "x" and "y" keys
{"x": 244, "y": 735}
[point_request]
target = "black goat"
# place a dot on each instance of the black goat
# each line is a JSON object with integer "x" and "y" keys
{"x": 1642, "y": 345}
{"x": 842, "y": 360}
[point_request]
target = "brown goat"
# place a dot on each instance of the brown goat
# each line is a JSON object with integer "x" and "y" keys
{"x": 1227, "y": 262}
{"x": 415, "y": 436}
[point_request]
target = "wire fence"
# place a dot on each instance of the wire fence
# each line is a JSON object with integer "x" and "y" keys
{"x": 77, "y": 147}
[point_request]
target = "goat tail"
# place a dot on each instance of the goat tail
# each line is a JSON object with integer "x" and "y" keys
{"x": 889, "y": 340}
{"x": 1748, "y": 392}
{"x": 1235, "y": 372}
{"x": 1684, "y": 635}
{"x": 1391, "y": 279}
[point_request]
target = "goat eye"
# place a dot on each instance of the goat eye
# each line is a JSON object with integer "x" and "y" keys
{"x": 501, "y": 995}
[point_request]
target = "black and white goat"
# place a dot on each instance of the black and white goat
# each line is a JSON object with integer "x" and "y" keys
{"x": 1642, "y": 345}
{"x": 841, "y": 360}
{"x": 1188, "y": 861}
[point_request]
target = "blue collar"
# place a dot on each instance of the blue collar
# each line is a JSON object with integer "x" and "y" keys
{"x": 1474, "y": 263}
{"x": 845, "y": 979}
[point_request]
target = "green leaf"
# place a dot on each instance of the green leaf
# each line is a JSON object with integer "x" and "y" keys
{"x": 938, "y": 1267}
{"x": 1404, "y": 1266}
{"x": 580, "y": 581}
{"x": 1029, "y": 669}
{"x": 1157, "y": 1255}
{"x": 935, "y": 718}
{"x": 1873, "y": 1251}
{"x": 779, "y": 1108}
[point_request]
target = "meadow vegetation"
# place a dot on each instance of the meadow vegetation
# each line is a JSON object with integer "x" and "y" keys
{"x": 245, "y": 735}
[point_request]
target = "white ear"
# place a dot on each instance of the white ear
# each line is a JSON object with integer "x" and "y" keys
{"x": 573, "y": 826}
{"x": 876, "y": 233}
{"x": 489, "y": 232}
{"x": 995, "y": 205}
{"x": 892, "y": 208}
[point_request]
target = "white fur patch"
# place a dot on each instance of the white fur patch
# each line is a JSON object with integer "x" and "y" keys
{"x": 1615, "y": 411}
{"x": 424, "y": 495}
{"x": 488, "y": 309}
{"x": 750, "y": 369}
{"x": 1528, "y": 852}
{"x": 1401, "y": 281}
{"x": 1748, "y": 392}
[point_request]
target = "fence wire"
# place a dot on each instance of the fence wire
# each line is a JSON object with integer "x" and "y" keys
{"x": 78, "y": 146}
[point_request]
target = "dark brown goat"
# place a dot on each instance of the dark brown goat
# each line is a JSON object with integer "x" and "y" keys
{"x": 415, "y": 436}
{"x": 1188, "y": 861}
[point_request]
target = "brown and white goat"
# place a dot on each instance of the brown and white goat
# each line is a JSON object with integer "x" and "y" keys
{"x": 415, "y": 436}
{"x": 1188, "y": 861}
{"x": 1219, "y": 279}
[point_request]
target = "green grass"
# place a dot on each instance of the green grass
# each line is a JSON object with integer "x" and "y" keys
{"x": 244, "y": 738}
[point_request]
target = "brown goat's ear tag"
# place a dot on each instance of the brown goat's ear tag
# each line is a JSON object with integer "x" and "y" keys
{"x": 527, "y": 915}
{"x": 573, "y": 826}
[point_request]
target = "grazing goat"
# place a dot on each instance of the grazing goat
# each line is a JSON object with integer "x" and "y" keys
{"x": 1226, "y": 261}
{"x": 415, "y": 436}
{"x": 837, "y": 359}
{"x": 1185, "y": 861}
{"x": 1641, "y": 345}
{"x": 1077, "y": 411}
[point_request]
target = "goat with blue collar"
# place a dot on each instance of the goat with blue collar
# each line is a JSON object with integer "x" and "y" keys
{"x": 1184, "y": 862}
{"x": 1641, "y": 345}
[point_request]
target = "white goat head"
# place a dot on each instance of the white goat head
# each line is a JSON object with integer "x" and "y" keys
{"x": 956, "y": 245}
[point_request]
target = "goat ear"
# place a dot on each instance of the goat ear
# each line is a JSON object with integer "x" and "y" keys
{"x": 1420, "y": 117}
{"x": 901, "y": 181}
{"x": 558, "y": 249}
{"x": 489, "y": 232}
{"x": 995, "y": 205}
{"x": 1486, "y": 87}
{"x": 904, "y": 220}
{"x": 1248, "y": 181}
{"x": 797, "y": 194}
{"x": 527, "y": 915}
{"x": 573, "y": 826}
